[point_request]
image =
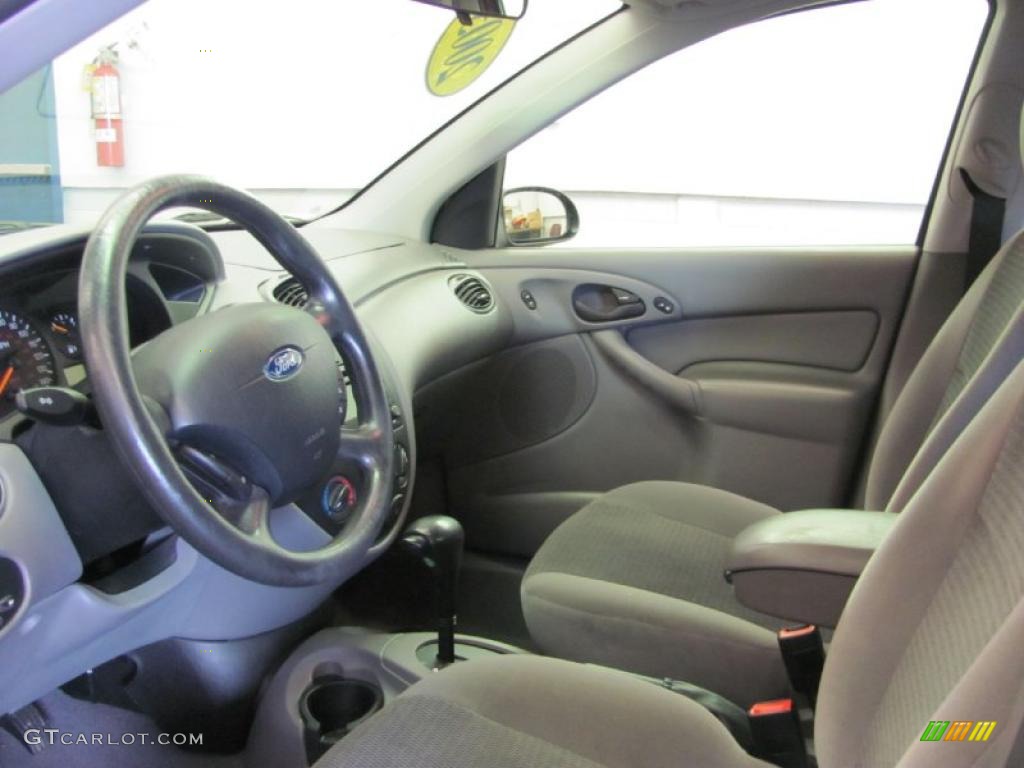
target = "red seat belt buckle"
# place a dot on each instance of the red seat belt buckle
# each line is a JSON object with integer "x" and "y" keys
{"x": 773, "y": 707}
{"x": 775, "y": 726}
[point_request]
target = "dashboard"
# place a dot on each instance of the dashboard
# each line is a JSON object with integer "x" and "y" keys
{"x": 98, "y": 573}
{"x": 169, "y": 280}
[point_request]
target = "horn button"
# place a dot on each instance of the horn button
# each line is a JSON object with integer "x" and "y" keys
{"x": 254, "y": 384}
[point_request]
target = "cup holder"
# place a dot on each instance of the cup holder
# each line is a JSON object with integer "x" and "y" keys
{"x": 331, "y": 707}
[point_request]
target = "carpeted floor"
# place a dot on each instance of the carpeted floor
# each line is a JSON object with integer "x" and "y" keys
{"x": 78, "y": 717}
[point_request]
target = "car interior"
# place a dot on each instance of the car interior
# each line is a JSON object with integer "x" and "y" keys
{"x": 444, "y": 477}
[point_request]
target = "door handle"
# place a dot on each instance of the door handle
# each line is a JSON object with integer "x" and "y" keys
{"x": 678, "y": 391}
{"x": 605, "y": 303}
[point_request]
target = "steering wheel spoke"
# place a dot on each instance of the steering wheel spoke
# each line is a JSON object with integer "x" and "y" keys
{"x": 254, "y": 518}
{"x": 361, "y": 445}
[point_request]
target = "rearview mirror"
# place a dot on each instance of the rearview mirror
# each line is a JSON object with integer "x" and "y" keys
{"x": 503, "y": 9}
{"x": 538, "y": 216}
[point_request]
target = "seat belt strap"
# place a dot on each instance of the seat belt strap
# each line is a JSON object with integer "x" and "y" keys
{"x": 986, "y": 232}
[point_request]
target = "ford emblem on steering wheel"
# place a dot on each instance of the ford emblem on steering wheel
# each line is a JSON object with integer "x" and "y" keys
{"x": 283, "y": 364}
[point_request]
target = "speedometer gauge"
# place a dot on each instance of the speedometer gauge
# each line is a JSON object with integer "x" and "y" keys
{"x": 25, "y": 360}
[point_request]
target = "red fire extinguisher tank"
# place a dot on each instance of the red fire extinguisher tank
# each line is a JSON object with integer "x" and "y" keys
{"x": 108, "y": 124}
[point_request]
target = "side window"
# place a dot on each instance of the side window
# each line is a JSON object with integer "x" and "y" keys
{"x": 818, "y": 128}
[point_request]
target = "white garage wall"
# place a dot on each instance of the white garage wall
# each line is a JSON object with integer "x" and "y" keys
{"x": 310, "y": 94}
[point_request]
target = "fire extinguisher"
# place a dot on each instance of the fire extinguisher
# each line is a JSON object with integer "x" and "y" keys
{"x": 108, "y": 124}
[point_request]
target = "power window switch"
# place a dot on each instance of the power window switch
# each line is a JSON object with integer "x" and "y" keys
{"x": 664, "y": 306}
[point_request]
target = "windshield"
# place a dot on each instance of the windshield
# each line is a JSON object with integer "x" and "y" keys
{"x": 301, "y": 103}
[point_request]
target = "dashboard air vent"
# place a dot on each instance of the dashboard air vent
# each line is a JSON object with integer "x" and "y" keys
{"x": 473, "y": 292}
{"x": 291, "y": 293}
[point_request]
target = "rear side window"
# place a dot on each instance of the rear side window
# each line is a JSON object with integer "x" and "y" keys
{"x": 825, "y": 127}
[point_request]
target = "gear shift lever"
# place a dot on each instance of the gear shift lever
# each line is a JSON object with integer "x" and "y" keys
{"x": 438, "y": 540}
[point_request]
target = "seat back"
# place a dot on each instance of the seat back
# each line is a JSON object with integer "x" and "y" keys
{"x": 934, "y": 630}
{"x": 965, "y": 362}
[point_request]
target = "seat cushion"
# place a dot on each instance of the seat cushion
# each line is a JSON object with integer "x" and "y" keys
{"x": 532, "y": 712}
{"x": 634, "y": 580}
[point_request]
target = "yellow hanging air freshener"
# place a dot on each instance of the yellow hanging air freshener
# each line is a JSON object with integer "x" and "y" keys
{"x": 464, "y": 52}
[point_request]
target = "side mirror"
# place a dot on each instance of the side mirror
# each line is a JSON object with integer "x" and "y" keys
{"x": 502, "y": 9}
{"x": 538, "y": 216}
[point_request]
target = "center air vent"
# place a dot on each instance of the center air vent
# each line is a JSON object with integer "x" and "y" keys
{"x": 473, "y": 292}
{"x": 291, "y": 293}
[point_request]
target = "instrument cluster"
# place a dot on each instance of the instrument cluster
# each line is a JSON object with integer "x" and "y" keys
{"x": 40, "y": 342}
{"x": 37, "y": 352}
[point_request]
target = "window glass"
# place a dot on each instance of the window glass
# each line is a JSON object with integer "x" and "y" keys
{"x": 818, "y": 128}
{"x": 302, "y": 103}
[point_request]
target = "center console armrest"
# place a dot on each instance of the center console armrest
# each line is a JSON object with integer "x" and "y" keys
{"x": 803, "y": 565}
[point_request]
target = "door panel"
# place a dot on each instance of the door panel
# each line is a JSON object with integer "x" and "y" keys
{"x": 790, "y": 437}
{"x": 510, "y": 402}
{"x": 837, "y": 340}
{"x": 760, "y": 380}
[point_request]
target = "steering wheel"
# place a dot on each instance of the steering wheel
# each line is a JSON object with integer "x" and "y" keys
{"x": 233, "y": 413}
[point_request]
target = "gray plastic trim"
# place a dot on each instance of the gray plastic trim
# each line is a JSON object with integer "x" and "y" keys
{"x": 77, "y": 628}
{"x": 32, "y": 534}
{"x": 390, "y": 661}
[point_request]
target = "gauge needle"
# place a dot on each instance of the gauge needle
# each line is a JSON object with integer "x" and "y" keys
{"x": 59, "y": 328}
{"x": 5, "y": 379}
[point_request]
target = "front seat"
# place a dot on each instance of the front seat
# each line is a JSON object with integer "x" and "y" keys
{"x": 634, "y": 580}
{"x": 932, "y": 632}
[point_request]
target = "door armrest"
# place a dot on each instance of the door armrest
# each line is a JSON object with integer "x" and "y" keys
{"x": 802, "y": 565}
{"x": 678, "y": 391}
